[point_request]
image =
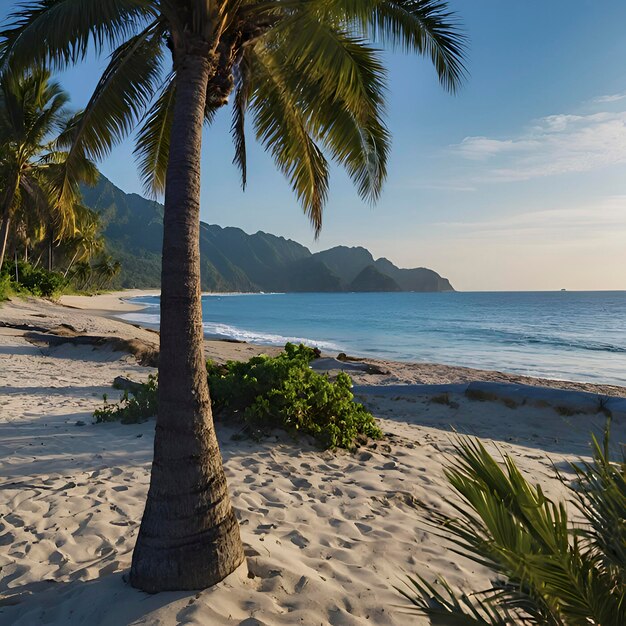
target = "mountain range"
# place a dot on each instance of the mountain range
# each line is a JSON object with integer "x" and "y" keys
{"x": 233, "y": 260}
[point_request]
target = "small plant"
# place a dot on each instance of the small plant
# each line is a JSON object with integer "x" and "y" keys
{"x": 546, "y": 570}
{"x": 134, "y": 407}
{"x": 6, "y": 291}
{"x": 480, "y": 396}
{"x": 565, "y": 411}
{"x": 443, "y": 398}
{"x": 270, "y": 392}
{"x": 602, "y": 406}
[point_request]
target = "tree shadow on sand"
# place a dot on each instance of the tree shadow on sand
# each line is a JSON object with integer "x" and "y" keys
{"x": 105, "y": 601}
{"x": 541, "y": 428}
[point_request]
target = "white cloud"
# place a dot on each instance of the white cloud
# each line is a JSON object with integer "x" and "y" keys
{"x": 552, "y": 145}
{"x": 605, "y": 217}
{"x": 616, "y": 97}
{"x": 438, "y": 186}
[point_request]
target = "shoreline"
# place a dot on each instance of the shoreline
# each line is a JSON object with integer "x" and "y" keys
{"x": 521, "y": 370}
{"x": 89, "y": 309}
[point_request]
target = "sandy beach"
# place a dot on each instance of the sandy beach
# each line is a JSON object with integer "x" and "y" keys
{"x": 328, "y": 534}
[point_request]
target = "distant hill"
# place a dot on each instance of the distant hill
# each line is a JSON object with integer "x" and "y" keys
{"x": 233, "y": 260}
{"x": 372, "y": 279}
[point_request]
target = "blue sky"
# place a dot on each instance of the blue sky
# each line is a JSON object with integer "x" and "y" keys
{"x": 518, "y": 182}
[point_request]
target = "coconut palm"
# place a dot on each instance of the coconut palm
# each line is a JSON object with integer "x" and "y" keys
{"x": 81, "y": 274}
{"x": 87, "y": 241}
{"x": 105, "y": 268}
{"x": 314, "y": 84}
{"x": 546, "y": 570}
{"x": 33, "y": 118}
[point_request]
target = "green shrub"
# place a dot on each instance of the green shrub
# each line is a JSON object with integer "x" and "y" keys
{"x": 134, "y": 407}
{"x": 273, "y": 392}
{"x": 6, "y": 291}
{"x": 35, "y": 281}
{"x": 283, "y": 391}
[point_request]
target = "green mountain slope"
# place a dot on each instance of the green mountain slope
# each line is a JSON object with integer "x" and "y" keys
{"x": 372, "y": 279}
{"x": 233, "y": 260}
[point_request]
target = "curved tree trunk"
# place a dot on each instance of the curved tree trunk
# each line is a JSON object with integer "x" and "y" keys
{"x": 4, "y": 236}
{"x": 189, "y": 535}
{"x": 7, "y": 202}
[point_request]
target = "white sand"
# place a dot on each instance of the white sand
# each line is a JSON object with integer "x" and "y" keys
{"x": 115, "y": 301}
{"x": 327, "y": 535}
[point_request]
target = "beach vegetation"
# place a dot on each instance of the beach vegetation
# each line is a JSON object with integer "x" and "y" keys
{"x": 267, "y": 393}
{"x": 6, "y": 290}
{"x": 566, "y": 411}
{"x": 479, "y": 395}
{"x": 26, "y": 279}
{"x": 545, "y": 567}
{"x": 311, "y": 77}
{"x": 509, "y": 403}
{"x": 44, "y": 228}
{"x": 442, "y": 398}
{"x": 39, "y": 186}
{"x": 284, "y": 392}
{"x": 135, "y": 406}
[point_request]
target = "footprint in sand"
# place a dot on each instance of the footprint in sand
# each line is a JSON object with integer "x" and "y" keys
{"x": 301, "y": 483}
{"x": 298, "y": 539}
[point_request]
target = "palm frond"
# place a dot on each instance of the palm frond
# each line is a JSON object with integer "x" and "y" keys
{"x": 427, "y": 27}
{"x": 330, "y": 54}
{"x": 121, "y": 96}
{"x": 281, "y": 127}
{"x": 237, "y": 128}
{"x": 444, "y": 608}
{"x": 601, "y": 498}
{"x": 152, "y": 146}
{"x": 511, "y": 527}
{"x": 358, "y": 142}
{"x": 57, "y": 33}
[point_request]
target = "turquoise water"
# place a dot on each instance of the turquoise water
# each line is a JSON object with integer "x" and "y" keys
{"x": 566, "y": 335}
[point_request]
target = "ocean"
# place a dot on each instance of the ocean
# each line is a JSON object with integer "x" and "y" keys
{"x": 564, "y": 335}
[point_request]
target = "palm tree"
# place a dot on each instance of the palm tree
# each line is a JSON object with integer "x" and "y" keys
{"x": 546, "y": 570}
{"x": 106, "y": 269}
{"x": 314, "y": 84}
{"x": 87, "y": 241}
{"x": 81, "y": 274}
{"x": 33, "y": 121}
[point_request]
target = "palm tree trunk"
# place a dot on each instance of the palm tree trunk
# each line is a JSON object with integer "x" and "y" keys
{"x": 189, "y": 535}
{"x": 50, "y": 261}
{"x": 7, "y": 202}
{"x": 38, "y": 261}
{"x": 69, "y": 267}
{"x": 4, "y": 236}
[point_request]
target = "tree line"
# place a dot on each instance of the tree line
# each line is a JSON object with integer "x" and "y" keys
{"x": 43, "y": 223}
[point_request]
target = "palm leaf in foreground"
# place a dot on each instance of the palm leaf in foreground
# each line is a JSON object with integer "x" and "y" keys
{"x": 545, "y": 569}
